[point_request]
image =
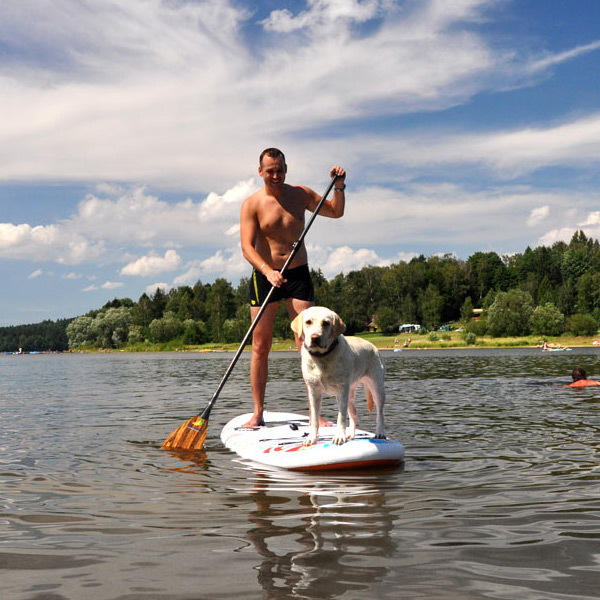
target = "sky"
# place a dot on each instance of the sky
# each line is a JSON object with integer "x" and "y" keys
{"x": 131, "y": 130}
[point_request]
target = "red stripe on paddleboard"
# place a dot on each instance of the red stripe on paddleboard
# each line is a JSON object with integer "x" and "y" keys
{"x": 357, "y": 464}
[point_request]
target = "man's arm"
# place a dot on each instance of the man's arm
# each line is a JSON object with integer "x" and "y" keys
{"x": 333, "y": 208}
{"x": 248, "y": 232}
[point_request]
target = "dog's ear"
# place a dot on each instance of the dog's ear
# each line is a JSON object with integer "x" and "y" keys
{"x": 338, "y": 325}
{"x": 296, "y": 325}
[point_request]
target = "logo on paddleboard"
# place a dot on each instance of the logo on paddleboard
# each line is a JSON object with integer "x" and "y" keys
{"x": 282, "y": 449}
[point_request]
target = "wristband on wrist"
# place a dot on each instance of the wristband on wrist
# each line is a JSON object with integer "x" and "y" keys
{"x": 340, "y": 189}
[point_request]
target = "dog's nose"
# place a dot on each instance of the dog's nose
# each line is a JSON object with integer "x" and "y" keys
{"x": 315, "y": 339}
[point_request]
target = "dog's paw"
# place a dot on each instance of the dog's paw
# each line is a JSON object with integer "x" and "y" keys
{"x": 309, "y": 441}
{"x": 339, "y": 439}
{"x": 380, "y": 436}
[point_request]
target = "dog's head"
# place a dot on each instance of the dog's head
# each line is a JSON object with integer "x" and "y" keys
{"x": 318, "y": 327}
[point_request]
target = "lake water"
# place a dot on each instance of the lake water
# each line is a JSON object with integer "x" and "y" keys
{"x": 499, "y": 496}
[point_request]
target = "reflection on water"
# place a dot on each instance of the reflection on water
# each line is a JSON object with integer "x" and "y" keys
{"x": 498, "y": 497}
{"x": 313, "y": 540}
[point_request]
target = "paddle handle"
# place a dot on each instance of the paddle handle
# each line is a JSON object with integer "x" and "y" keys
{"x": 297, "y": 244}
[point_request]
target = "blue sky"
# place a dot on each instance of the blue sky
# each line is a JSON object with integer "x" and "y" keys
{"x": 131, "y": 131}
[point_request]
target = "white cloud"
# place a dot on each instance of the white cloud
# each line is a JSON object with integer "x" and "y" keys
{"x": 322, "y": 13}
{"x": 222, "y": 207}
{"x": 102, "y": 226}
{"x": 516, "y": 152}
{"x": 107, "y": 285}
{"x": 156, "y": 91}
{"x": 35, "y": 274}
{"x": 564, "y": 234}
{"x": 226, "y": 263}
{"x": 592, "y": 219}
{"x": 556, "y": 59}
{"x": 507, "y": 153}
{"x": 151, "y": 289}
{"x": 47, "y": 242}
{"x": 140, "y": 218}
{"x": 590, "y": 225}
{"x": 152, "y": 264}
{"x": 408, "y": 256}
{"x": 13, "y": 234}
{"x": 538, "y": 214}
{"x": 441, "y": 216}
{"x": 345, "y": 259}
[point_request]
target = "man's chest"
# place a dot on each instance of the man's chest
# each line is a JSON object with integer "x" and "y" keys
{"x": 277, "y": 220}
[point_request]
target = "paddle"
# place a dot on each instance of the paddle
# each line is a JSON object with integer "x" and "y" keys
{"x": 192, "y": 434}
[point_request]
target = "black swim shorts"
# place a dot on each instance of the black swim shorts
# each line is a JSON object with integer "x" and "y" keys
{"x": 299, "y": 285}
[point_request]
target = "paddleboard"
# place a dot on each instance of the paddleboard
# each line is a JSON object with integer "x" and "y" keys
{"x": 280, "y": 443}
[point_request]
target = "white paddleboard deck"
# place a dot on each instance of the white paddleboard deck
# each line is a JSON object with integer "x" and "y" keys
{"x": 280, "y": 443}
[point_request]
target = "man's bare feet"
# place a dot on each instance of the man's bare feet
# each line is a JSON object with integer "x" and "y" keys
{"x": 255, "y": 421}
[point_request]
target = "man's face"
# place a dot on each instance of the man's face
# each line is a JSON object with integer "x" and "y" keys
{"x": 273, "y": 171}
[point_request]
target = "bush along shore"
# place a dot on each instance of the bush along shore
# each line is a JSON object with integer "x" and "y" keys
{"x": 446, "y": 340}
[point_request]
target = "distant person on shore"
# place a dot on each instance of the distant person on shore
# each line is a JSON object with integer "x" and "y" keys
{"x": 580, "y": 379}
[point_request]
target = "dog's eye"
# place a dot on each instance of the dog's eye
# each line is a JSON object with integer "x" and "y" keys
{"x": 326, "y": 323}
{"x": 308, "y": 321}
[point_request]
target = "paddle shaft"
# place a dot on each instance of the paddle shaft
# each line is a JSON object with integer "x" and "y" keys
{"x": 297, "y": 244}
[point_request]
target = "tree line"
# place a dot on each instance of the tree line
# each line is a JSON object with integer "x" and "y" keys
{"x": 47, "y": 335}
{"x": 545, "y": 290}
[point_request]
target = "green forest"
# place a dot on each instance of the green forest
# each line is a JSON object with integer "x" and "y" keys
{"x": 545, "y": 291}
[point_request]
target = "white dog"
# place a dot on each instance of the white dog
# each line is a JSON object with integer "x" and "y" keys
{"x": 337, "y": 365}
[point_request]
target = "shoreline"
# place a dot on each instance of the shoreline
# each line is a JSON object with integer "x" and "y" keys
{"x": 420, "y": 342}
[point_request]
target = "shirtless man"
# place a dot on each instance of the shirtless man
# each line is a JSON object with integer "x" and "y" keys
{"x": 271, "y": 221}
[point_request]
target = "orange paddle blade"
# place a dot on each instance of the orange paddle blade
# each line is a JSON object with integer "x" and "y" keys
{"x": 189, "y": 436}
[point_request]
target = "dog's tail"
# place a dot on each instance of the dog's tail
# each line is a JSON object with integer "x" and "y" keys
{"x": 370, "y": 401}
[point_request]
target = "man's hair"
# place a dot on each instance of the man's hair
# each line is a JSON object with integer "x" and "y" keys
{"x": 578, "y": 373}
{"x": 271, "y": 153}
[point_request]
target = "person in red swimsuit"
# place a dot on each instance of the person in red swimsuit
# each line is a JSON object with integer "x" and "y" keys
{"x": 580, "y": 379}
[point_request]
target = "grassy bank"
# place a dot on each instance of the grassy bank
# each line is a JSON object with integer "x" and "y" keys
{"x": 452, "y": 339}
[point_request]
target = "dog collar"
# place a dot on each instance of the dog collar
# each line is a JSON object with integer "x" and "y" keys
{"x": 330, "y": 349}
